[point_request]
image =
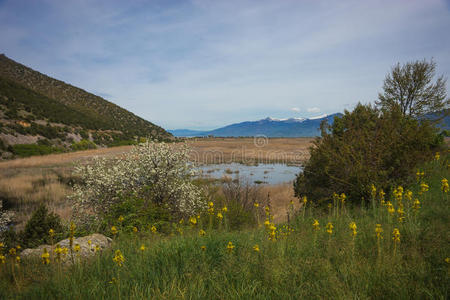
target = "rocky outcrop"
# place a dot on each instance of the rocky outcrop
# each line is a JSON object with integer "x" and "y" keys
{"x": 86, "y": 250}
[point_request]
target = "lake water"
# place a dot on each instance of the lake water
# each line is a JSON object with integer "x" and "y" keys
{"x": 261, "y": 173}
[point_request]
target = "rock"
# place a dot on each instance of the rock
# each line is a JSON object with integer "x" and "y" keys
{"x": 5, "y": 218}
{"x": 86, "y": 250}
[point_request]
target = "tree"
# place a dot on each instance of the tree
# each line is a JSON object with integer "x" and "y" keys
{"x": 364, "y": 147}
{"x": 411, "y": 87}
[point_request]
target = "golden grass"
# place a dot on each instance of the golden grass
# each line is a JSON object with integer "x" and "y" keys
{"x": 30, "y": 181}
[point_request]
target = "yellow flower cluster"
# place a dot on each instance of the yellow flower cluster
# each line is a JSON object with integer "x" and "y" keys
{"x": 114, "y": 230}
{"x": 424, "y": 187}
{"x": 201, "y": 232}
{"x": 329, "y": 228}
{"x": 353, "y": 228}
{"x": 396, "y": 235}
{"x": 420, "y": 175}
{"x": 373, "y": 191}
{"x": 379, "y": 231}
{"x": 45, "y": 257}
{"x": 444, "y": 185}
{"x": 211, "y": 208}
{"x": 230, "y": 247}
{"x": 118, "y": 258}
{"x": 316, "y": 225}
{"x": 416, "y": 204}
{"x": 219, "y": 216}
{"x": 256, "y": 248}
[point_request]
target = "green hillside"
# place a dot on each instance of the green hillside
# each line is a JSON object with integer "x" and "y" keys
{"x": 37, "y": 109}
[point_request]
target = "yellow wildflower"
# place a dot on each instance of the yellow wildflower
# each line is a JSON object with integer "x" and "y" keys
{"x": 390, "y": 208}
{"x": 2, "y": 259}
{"x": 437, "y": 156}
{"x": 18, "y": 259}
{"x": 382, "y": 193}
{"x": 256, "y": 204}
{"x": 379, "y": 231}
{"x": 211, "y": 208}
{"x": 256, "y": 248}
{"x": 330, "y": 228}
{"x": 12, "y": 251}
{"x": 45, "y": 257}
{"x": 396, "y": 235}
{"x": 267, "y": 223}
{"x": 225, "y": 209}
{"x": 304, "y": 200}
{"x": 343, "y": 197}
{"x": 181, "y": 221}
{"x": 114, "y": 230}
{"x": 424, "y": 187}
{"x": 153, "y": 229}
{"x": 118, "y": 258}
{"x": 142, "y": 248}
{"x": 51, "y": 232}
{"x": 219, "y": 216}
{"x": 77, "y": 248}
{"x": 120, "y": 219}
{"x": 18, "y": 247}
{"x": 135, "y": 230}
{"x": 97, "y": 248}
{"x": 447, "y": 260}
{"x": 201, "y": 232}
{"x": 193, "y": 221}
{"x": 203, "y": 248}
{"x": 316, "y": 225}
{"x": 230, "y": 247}
{"x": 444, "y": 185}
{"x": 373, "y": 191}
{"x": 416, "y": 204}
{"x": 400, "y": 213}
{"x": 353, "y": 228}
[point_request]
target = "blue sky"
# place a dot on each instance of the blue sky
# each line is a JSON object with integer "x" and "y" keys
{"x": 203, "y": 64}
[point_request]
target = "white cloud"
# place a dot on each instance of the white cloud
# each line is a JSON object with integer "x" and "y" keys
{"x": 295, "y": 109}
{"x": 313, "y": 110}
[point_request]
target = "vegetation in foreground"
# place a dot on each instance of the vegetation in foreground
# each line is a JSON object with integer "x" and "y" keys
{"x": 398, "y": 248}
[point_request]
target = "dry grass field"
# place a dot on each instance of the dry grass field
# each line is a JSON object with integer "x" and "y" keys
{"x": 27, "y": 182}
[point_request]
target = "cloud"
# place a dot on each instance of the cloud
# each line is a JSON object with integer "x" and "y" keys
{"x": 313, "y": 110}
{"x": 295, "y": 109}
{"x": 175, "y": 62}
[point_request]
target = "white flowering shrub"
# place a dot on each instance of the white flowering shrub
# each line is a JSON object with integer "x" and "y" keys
{"x": 156, "y": 172}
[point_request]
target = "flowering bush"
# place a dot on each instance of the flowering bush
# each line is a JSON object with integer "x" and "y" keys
{"x": 156, "y": 172}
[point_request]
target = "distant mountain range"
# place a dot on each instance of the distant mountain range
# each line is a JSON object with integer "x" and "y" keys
{"x": 40, "y": 115}
{"x": 270, "y": 127}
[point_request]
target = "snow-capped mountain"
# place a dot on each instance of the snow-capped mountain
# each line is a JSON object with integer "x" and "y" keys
{"x": 270, "y": 127}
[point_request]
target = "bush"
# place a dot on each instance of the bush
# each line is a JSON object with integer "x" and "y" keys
{"x": 362, "y": 148}
{"x": 155, "y": 172}
{"x": 36, "y": 229}
{"x": 83, "y": 145}
{"x": 26, "y": 150}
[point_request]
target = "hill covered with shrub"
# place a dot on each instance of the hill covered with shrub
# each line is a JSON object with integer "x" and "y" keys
{"x": 37, "y": 110}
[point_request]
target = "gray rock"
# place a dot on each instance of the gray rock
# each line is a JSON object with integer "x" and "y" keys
{"x": 86, "y": 250}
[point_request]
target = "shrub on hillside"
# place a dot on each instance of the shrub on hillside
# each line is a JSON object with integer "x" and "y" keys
{"x": 83, "y": 145}
{"x": 156, "y": 172}
{"x": 364, "y": 147}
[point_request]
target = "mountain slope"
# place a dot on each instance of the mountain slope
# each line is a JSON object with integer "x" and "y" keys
{"x": 41, "y": 115}
{"x": 268, "y": 127}
{"x": 107, "y": 115}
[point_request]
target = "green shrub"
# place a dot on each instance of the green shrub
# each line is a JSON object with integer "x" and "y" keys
{"x": 26, "y": 150}
{"x": 137, "y": 212}
{"x": 365, "y": 147}
{"x": 36, "y": 229}
{"x": 83, "y": 145}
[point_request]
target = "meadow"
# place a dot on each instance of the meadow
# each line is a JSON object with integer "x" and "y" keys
{"x": 396, "y": 247}
{"x": 27, "y": 182}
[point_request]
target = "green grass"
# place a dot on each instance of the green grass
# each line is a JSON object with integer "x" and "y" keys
{"x": 303, "y": 264}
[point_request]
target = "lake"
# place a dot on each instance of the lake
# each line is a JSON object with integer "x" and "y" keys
{"x": 261, "y": 173}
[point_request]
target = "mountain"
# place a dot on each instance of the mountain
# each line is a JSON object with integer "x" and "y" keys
{"x": 293, "y": 127}
{"x": 52, "y": 115}
{"x": 442, "y": 118}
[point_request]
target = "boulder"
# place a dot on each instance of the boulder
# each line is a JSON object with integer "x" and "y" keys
{"x": 85, "y": 251}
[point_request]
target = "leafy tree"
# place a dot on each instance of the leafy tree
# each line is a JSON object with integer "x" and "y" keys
{"x": 364, "y": 147}
{"x": 411, "y": 87}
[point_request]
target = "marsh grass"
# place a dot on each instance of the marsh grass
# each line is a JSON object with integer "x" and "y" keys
{"x": 302, "y": 264}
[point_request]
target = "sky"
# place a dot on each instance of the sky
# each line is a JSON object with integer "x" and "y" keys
{"x": 204, "y": 64}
